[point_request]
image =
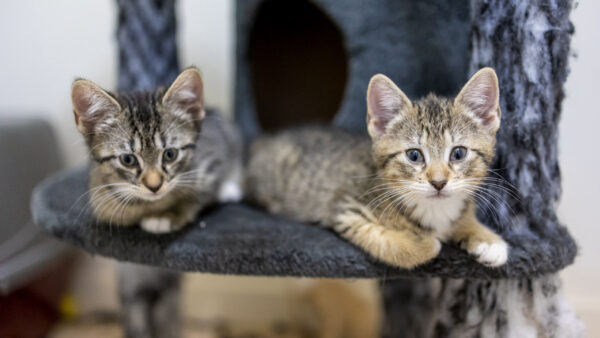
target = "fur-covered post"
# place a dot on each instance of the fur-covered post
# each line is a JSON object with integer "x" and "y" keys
{"x": 147, "y": 44}
{"x": 527, "y": 43}
{"x": 442, "y": 307}
{"x": 147, "y": 59}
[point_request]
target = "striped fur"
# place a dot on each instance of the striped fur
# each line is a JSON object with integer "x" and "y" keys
{"x": 147, "y": 125}
{"x": 371, "y": 193}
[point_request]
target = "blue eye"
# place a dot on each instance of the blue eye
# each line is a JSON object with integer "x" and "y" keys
{"x": 128, "y": 160}
{"x": 458, "y": 154}
{"x": 415, "y": 155}
{"x": 169, "y": 155}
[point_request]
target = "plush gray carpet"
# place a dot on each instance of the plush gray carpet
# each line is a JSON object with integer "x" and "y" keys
{"x": 239, "y": 239}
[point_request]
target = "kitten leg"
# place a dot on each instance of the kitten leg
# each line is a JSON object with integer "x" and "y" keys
{"x": 156, "y": 225}
{"x": 396, "y": 246}
{"x": 489, "y": 248}
{"x": 172, "y": 220}
{"x": 231, "y": 188}
{"x": 149, "y": 299}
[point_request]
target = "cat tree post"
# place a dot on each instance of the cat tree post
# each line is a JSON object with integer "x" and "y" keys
{"x": 528, "y": 45}
{"x": 147, "y": 44}
{"x": 146, "y": 39}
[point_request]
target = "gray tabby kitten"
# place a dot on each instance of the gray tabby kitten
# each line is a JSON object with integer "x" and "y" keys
{"x": 158, "y": 157}
{"x": 400, "y": 193}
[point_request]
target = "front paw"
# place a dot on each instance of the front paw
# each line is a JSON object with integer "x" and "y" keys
{"x": 492, "y": 254}
{"x": 230, "y": 192}
{"x": 157, "y": 225}
{"x": 406, "y": 250}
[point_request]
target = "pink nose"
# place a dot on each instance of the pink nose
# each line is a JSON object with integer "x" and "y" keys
{"x": 438, "y": 185}
{"x": 153, "y": 181}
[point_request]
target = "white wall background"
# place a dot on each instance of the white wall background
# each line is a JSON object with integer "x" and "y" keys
{"x": 44, "y": 45}
{"x": 579, "y": 207}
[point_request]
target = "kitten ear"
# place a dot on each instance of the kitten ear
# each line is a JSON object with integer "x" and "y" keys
{"x": 92, "y": 105}
{"x": 185, "y": 97}
{"x": 481, "y": 99}
{"x": 385, "y": 102}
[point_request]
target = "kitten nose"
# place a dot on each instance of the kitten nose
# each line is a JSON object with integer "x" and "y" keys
{"x": 154, "y": 188}
{"x": 438, "y": 185}
{"x": 153, "y": 181}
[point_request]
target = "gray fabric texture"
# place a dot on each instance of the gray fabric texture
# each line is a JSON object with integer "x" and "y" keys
{"x": 465, "y": 308}
{"x": 147, "y": 41}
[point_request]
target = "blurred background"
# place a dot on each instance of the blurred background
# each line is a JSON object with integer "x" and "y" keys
{"x": 45, "y": 45}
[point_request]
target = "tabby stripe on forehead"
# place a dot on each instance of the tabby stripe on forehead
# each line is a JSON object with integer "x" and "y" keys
{"x": 138, "y": 141}
{"x": 390, "y": 157}
{"x": 163, "y": 139}
{"x": 158, "y": 139}
{"x": 105, "y": 158}
{"x": 156, "y": 114}
{"x": 188, "y": 146}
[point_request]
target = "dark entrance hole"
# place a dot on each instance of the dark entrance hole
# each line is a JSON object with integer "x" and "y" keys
{"x": 298, "y": 64}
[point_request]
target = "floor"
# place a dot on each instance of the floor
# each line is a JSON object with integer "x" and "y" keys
{"x": 214, "y": 306}
{"x": 582, "y": 290}
{"x": 219, "y": 306}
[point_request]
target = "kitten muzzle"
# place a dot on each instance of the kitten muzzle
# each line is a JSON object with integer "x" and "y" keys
{"x": 153, "y": 181}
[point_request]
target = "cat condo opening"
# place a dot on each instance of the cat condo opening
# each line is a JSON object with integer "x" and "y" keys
{"x": 298, "y": 64}
{"x": 307, "y": 61}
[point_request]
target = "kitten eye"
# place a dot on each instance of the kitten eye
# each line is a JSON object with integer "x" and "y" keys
{"x": 458, "y": 153}
{"x": 415, "y": 155}
{"x": 128, "y": 160}
{"x": 169, "y": 155}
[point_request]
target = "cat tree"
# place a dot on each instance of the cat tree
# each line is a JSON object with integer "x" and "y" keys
{"x": 310, "y": 61}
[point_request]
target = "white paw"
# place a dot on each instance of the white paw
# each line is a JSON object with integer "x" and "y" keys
{"x": 491, "y": 254}
{"x": 230, "y": 191}
{"x": 437, "y": 246}
{"x": 156, "y": 225}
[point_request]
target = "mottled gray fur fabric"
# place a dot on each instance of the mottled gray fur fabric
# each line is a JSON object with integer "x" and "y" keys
{"x": 464, "y": 308}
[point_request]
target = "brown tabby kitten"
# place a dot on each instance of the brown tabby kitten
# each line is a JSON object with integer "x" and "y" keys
{"x": 158, "y": 157}
{"x": 399, "y": 194}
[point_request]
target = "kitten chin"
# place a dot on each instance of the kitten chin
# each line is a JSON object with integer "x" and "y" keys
{"x": 401, "y": 192}
{"x": 438, "y": 214}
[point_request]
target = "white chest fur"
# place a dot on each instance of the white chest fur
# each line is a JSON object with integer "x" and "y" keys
{"x": 438, "y": 214}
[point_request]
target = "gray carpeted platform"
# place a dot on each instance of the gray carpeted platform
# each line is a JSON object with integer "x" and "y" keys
{"x": 239, "y": 239}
